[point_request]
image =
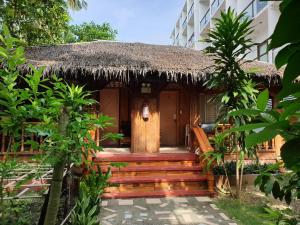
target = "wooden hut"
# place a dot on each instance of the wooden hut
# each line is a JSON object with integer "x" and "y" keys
{"x": 156, "y": 94}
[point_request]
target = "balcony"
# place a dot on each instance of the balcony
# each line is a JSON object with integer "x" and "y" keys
{"x": 215, "y": 6}
{"x": 184, "y": 23}
{"x": 191, "y": 40}
{"x": 254, "y": 8}
{"x": 191, "y": 12}
{"x": 205, "y": 20}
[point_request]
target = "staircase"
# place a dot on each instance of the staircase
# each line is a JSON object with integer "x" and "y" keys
{"x": 155, "y": 175}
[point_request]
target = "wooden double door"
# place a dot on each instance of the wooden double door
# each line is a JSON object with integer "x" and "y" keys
{"x": 160, "y": 129}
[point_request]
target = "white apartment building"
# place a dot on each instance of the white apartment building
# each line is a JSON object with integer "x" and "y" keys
{"x": 197, "y": 17}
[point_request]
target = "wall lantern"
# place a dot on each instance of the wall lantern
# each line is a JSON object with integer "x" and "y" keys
{"x": 145, "y": 111}
{"x": 146, "y": 88}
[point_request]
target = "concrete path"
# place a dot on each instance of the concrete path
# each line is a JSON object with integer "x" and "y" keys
{"x": 162, "y": 211}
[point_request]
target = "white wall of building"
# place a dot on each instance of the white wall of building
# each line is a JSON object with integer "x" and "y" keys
{"x": 199, "y": 16}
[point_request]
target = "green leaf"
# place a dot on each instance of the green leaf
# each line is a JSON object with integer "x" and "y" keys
{"x": 245, "y": 112}
{"x": 260, "y": 137}
{"x": 284, "y": 54}
{"x": 290, "y": 110}
{"x": 292, "y": 70}
{"x": 290, "y": 153}
{"x": 247, "y": 127}
{"x": 288, "y": 197}
{"x": 268, "y": 117}
{"x": 262, "y": 100}
{"x": 287, "y": 28}
{"x": 276, "y": 190}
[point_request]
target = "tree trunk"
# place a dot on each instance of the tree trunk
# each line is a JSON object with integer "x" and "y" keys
{"x": 237, "y": 182}
{"x": 58, "y": 172}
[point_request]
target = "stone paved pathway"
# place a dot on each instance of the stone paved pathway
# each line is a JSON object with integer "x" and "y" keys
{"x": 162, "y": 211}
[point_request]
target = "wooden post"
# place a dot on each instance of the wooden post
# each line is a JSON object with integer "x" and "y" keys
{"x": 211, "y": 183}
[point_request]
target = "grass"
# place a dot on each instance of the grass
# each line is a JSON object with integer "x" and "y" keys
{"x": 250, "y": 210}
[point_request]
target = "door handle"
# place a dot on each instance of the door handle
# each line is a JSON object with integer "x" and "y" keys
{"x": 174, "y": 116}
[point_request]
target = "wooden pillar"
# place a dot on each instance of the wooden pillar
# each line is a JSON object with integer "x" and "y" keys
{"x": 145, "y": 134}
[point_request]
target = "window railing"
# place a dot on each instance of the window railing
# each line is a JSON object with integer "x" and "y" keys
{"x": 254, "y": 8}
{"x": 191, "y": 40}
{"x": 215, "y": 5}
{"x": 260, "y": 5}
{"x": 191, "y": 12}
{"x": 205, "y": 19}
{"x": 184, "y": 23}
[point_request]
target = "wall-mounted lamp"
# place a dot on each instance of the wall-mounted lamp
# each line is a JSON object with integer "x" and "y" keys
{"x": 146, "y": 88}
{"x": 145, "y": 111}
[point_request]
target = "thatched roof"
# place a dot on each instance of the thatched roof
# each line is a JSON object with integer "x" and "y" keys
{"x": 125, "y": 61}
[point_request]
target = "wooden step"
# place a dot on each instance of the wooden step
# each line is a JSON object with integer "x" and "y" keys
{"x": 144, "y": 157}
{"x": 158, "y": 194}
{"x": 156, "y": 179}
{"x": 154, "y": 175}
{"x": 161, "y": 186}
{"x": 141, "y": 168}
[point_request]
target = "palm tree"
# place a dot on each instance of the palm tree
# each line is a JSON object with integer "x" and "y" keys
{"x": 77, "y": 4}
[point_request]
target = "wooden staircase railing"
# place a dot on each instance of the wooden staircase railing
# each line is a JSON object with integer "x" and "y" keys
{"x": 201, "y": 140}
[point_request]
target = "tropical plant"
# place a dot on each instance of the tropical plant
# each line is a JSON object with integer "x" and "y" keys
{"x": 83, "y": 213}
{"x": 284, "y": 120}
{"x": 94, "y": 184}
{"x": 90, "y": 32}
{"x": 229, "y": 44}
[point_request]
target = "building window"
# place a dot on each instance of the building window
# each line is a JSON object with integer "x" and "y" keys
{"x": 262, "y": 51}
{"x": 208, "y": 109}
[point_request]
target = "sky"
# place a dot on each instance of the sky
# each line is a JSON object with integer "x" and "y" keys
{"x": 147, "y": 21}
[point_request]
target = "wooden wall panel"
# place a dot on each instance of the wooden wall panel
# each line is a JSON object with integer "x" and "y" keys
{"x": 144, "y": 134}
{"x": 184, "y": 114}
{"x": 168, "y": 107}
{"x": 109, "y": 105}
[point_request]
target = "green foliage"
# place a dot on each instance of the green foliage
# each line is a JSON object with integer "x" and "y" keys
{"x": 60, "y": 109}
{"x": 90, "y": 32}
{"x": 255, "y": 211}
{"x": 94, "y": 185}
{"x": 21, "y": 212}
{"x": 252, "y": 168}
{"x": 36, "y": 22}
{"x": 83, "y": 213}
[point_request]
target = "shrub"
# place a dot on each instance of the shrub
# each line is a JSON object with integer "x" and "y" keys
{"x": 251, "y": 168}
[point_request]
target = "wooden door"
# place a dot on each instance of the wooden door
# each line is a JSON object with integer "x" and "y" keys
{"x": 168, "y": 107}
{"x": 109, "y": 106}
{"x": 144, "y": 133}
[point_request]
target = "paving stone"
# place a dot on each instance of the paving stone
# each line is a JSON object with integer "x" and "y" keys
{"x": 163, "y": 205}
{"x": 104, "y": 203}
{"x": 224, "y": 216}
{"x": 153, "y": 201}
{"x": 232, "y": 224}
{"x": 110, "y": 216}
{"x": 140, "y": 207}
{"x": 110, "y": 210}
{"x": 162, "y": 212}
{"x": 128, "y": 216}
{"x": 126, "y": 202}
{"x": 214, "y": 206}
{"x": 180, "y": 200}
{"x": 203, "y": 199}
